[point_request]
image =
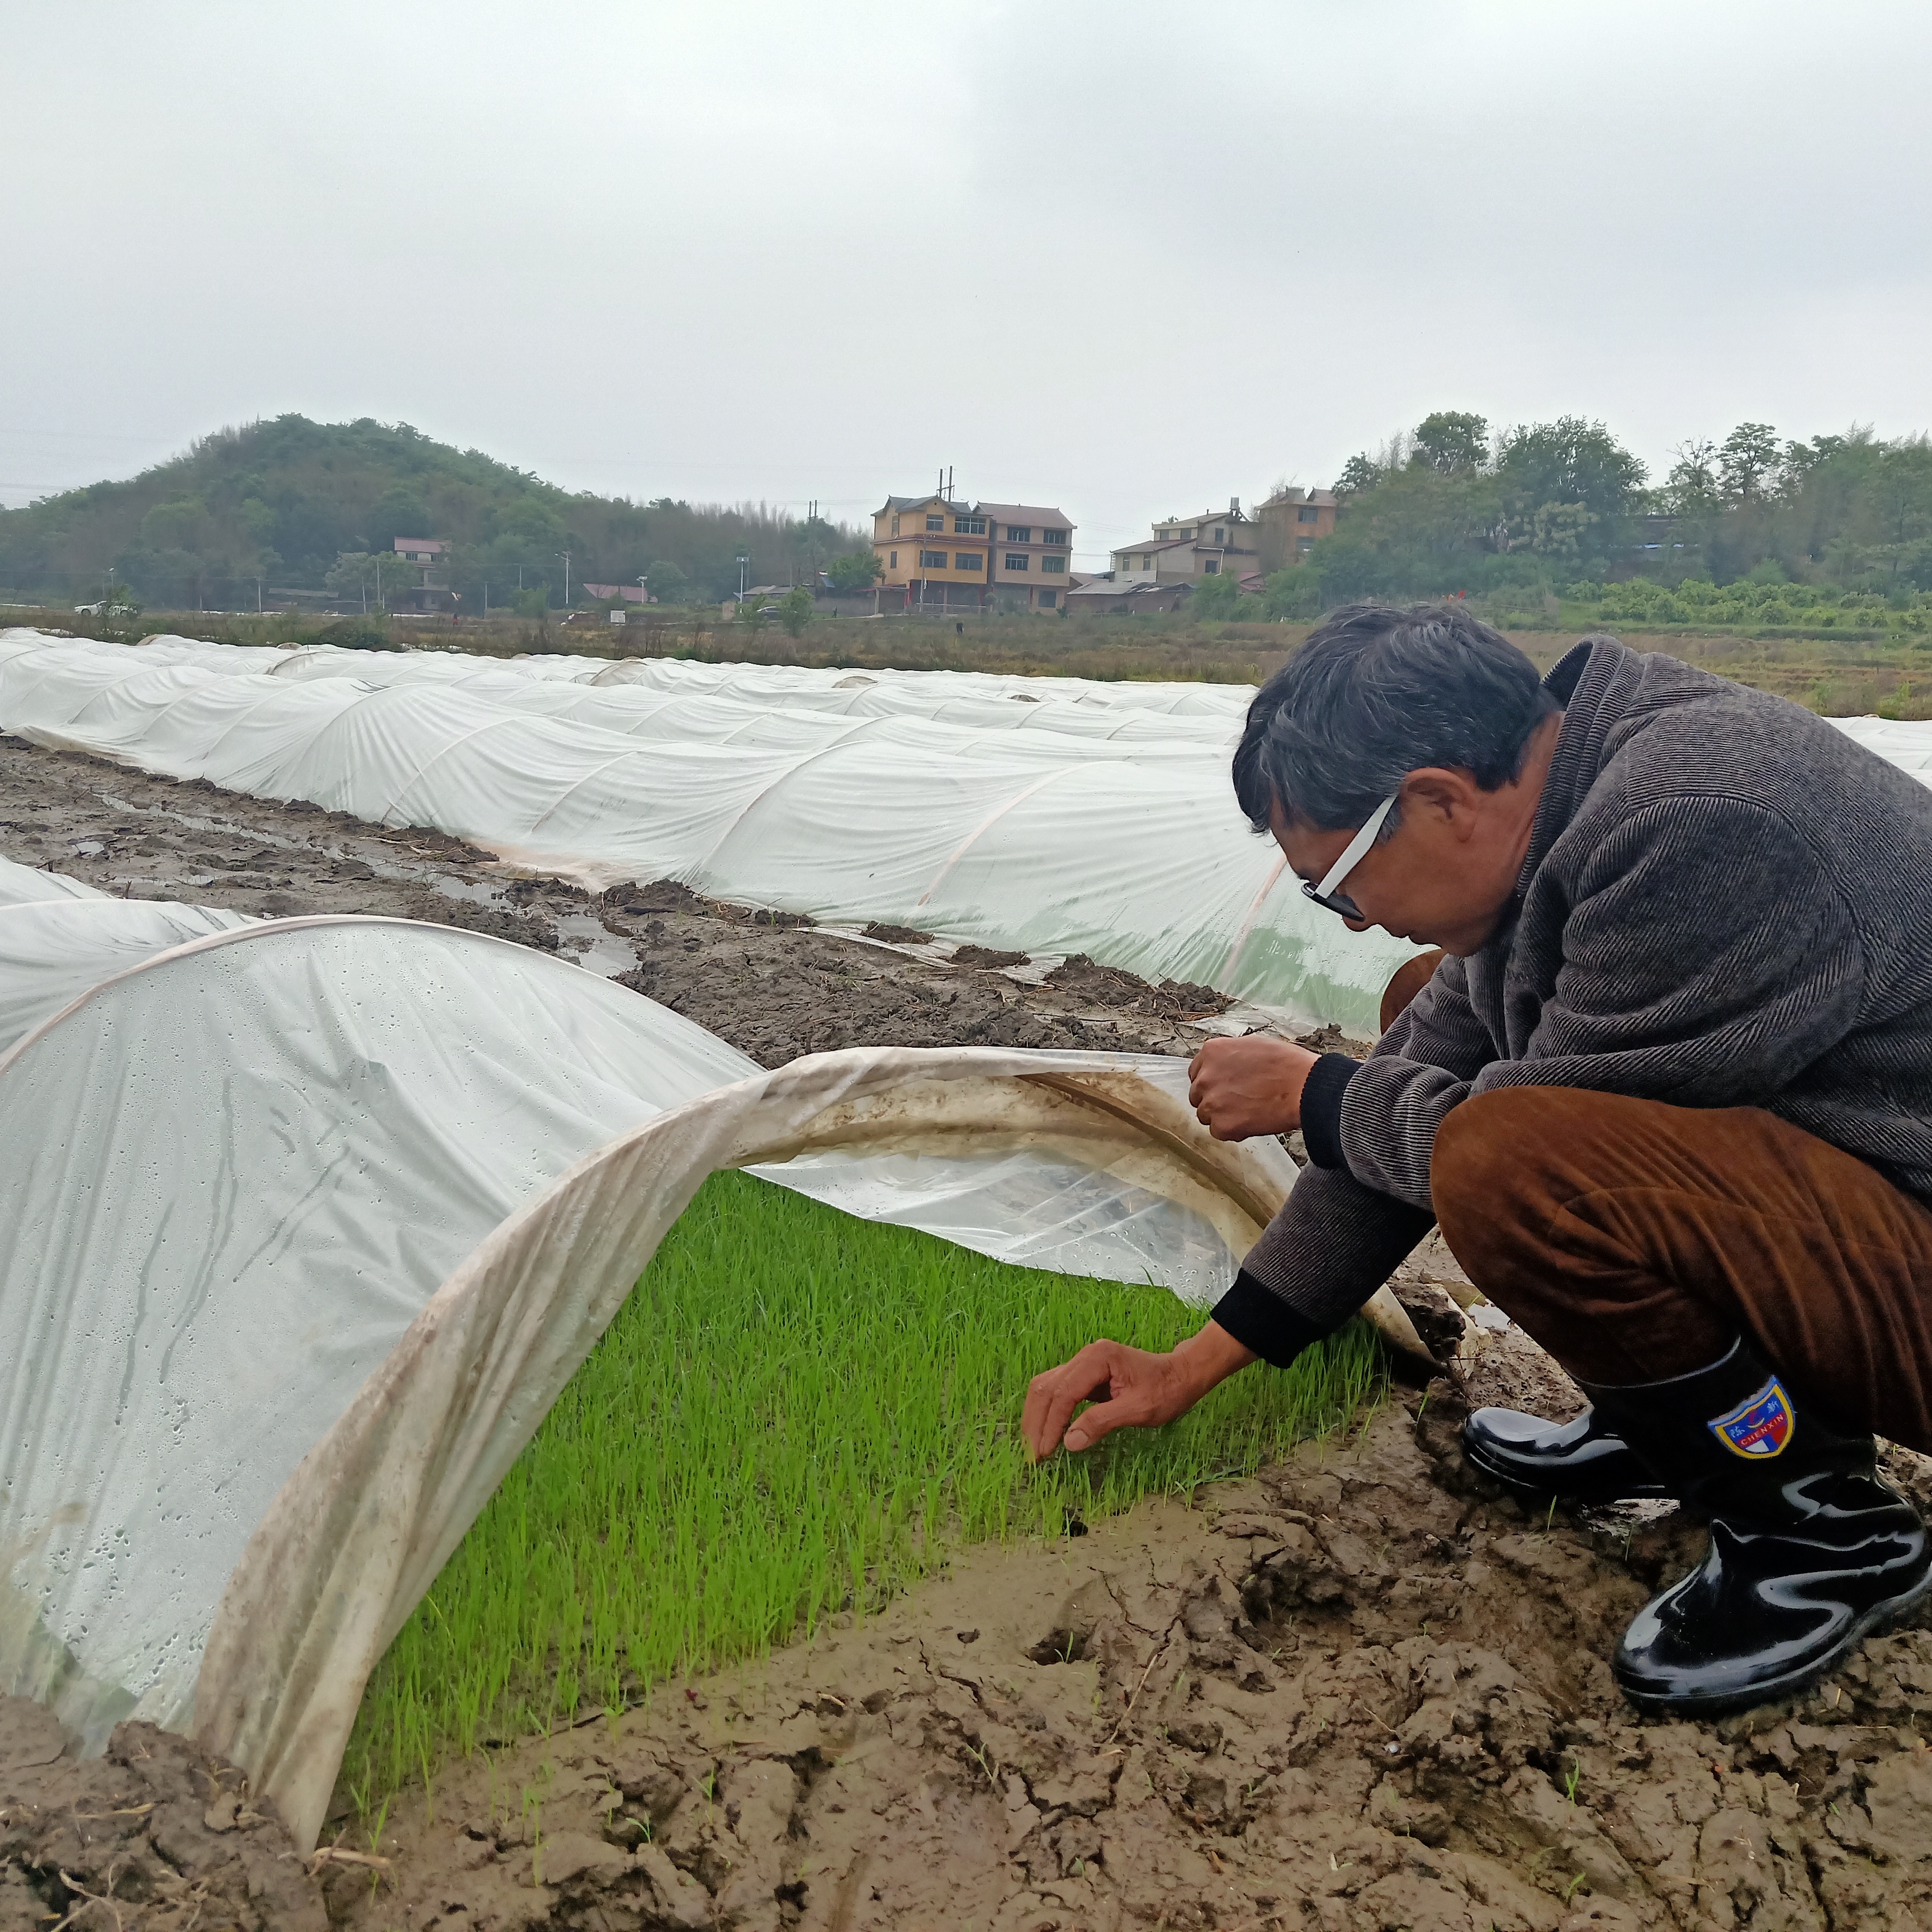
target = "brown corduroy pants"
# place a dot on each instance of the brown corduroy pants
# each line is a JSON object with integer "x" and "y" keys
{"x": 1634, "y": 1241}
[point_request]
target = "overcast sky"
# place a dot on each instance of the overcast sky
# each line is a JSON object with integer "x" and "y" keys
{"x": 1124, "y": 258}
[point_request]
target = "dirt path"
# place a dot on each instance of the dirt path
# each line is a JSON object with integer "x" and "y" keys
{"x": 1356, "y": 1692}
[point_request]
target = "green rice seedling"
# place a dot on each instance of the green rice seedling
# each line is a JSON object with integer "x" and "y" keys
{"x": 796, "y": 1414}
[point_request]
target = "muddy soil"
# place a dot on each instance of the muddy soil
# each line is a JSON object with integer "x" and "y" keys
{"x": 1356, "y": 1691}
{"x": 156, "y": 1835}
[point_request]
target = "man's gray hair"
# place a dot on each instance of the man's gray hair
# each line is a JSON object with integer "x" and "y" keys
{"x": 1374, "y": 693}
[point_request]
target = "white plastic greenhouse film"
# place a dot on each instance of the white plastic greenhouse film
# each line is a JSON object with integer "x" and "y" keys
{"x": 189, "y": 1314}
{"x": 1130, "y": 850}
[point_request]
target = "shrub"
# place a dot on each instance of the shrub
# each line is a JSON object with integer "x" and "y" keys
{"x": 795, "y": 610}
{"x": 356, "y": 633}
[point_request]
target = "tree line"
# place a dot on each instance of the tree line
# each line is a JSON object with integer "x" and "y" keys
{"x": 1453, "y": 505}
{"x": 291, "y": 503}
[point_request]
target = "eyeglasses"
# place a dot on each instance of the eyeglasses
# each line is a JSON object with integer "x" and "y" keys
{"x": 1325, "y": 894}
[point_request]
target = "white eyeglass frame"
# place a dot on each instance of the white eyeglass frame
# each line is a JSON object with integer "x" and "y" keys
{"x": 1325, "y": 894}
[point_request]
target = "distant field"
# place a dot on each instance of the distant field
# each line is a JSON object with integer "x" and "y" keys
{"x": 1840, "y": 672}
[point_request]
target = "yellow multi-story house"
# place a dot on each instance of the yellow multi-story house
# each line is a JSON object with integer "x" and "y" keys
{"x": 938, "y": 553}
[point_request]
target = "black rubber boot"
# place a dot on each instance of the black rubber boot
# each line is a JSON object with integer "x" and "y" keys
{"x": 1582, "y": 1461}
{"x": 1811, "y": 1550}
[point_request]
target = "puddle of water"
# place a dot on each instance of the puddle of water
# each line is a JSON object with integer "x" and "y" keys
{"x": 604, "y": 952}
{"x": 200, "y": 822}
{"x": 477, "y": 892}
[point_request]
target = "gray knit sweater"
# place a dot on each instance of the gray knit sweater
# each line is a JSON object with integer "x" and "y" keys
{"x": 1725, "y": 902}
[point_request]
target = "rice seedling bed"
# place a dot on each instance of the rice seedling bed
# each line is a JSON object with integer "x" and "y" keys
{"x": 796, "y": 1414}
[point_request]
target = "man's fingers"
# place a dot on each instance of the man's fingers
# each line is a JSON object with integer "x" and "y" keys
{"x": 1102, "y": 1419}
{"x": 1060, "y": 1410}
{"x": 1052, "y": 1398}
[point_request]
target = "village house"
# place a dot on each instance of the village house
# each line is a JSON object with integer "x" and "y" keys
{"x": 429, "y": 557}
{"x": 939, "y": 553}
{"x": 1290, "y": 524}
{"x": 1183, "y": 550}
{"x": 1033, "y": 550}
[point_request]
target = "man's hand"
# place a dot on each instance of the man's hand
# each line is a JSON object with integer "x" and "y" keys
{"x": 1241, "y": 1087}
{"x": 1141, "y": 1390}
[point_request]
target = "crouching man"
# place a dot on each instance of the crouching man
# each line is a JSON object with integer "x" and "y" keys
{"x": 1669, "y": 1096}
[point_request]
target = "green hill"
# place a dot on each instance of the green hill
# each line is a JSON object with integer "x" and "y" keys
{"x": 287, "y": 502}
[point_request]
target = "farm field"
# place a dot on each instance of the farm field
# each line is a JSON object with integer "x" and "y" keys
{"x": 1340, "y": 1672}
{"x": 796, "y": 1414}
{"x": 1349, "y": 1680}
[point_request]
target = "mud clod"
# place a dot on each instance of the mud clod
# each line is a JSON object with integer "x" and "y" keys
{"x": 988, "y": 958}
{"x": 156, "y": 1835}
{"x": 1171, "y": 999}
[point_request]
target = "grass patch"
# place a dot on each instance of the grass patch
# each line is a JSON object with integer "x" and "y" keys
{"x": 795, "y": 1413}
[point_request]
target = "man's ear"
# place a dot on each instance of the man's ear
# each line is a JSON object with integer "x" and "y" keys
{"x": 1440, "y": 792}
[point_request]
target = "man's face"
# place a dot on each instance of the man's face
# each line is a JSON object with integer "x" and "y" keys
{"x": 1444, "y": 878}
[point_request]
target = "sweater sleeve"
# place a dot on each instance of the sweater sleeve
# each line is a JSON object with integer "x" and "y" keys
{"x": 1332, "y": 1244}
{"x": 1681, "y": 980}
{"x": 1335, "y": 1241}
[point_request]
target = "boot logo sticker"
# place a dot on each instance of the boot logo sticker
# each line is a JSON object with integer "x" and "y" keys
{"x": 1760, "y": 1426}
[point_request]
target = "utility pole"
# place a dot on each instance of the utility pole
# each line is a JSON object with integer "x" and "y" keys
{"x": 486, "y": 598}
{"x": 258, "y": 596}
{"x": 565, "y": 555}
{"x": 744, "y": 562}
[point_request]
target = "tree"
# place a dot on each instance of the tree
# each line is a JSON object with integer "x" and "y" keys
{"x": 1293, "y": 593}
{"x": 1570, "y": 463}
{"x": 373, "y": 576}
{"x": 1747, "y": 462}
{"x": 813, "y": 541}
{"x": 182, "y": 524}
{"x": 304, "y": 493}
{"x": 1901, "y": 499}
{"x": 1215, "y": 597}
{"x": 795, "y": 610}
{"x": 1360, "y": 474}
{"x": 855, "y": 570}
{"x": 400, "y": 512}
{"x": 668, "y": 584}
{"x": 1451, "y": 440}
{"x": 1690, "y": 489}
